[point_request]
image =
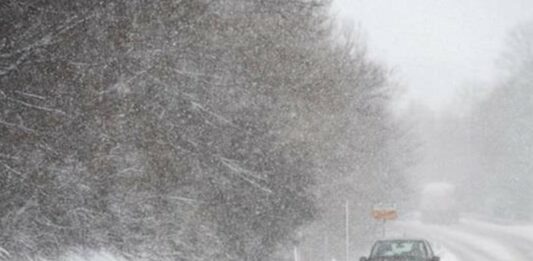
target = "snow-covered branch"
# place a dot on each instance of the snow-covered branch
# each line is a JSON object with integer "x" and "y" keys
{"x": 37, "y": 107}
{"x": 17, "y": 126}
{"x": 245, "y": 174}
{"x": 12, "y": 170}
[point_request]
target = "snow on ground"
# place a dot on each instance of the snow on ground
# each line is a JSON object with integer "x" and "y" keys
{"x": 521, "y": 231}
{"x": 443, "y": 252}
{"x": 478, "y": 243}
{"x": 518, "y": 237}
{"x": 450, "y": 248}
{"x": 474, "y": 240}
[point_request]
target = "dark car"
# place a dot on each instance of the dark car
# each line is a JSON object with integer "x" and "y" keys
{"x": 401, "y": 250}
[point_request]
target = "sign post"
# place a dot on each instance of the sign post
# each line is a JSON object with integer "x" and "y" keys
{"x": 383, "y": 214}
{"x": 347, "y": 229}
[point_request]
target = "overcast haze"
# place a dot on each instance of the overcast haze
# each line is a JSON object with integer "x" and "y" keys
{"x": 436, "y": 47}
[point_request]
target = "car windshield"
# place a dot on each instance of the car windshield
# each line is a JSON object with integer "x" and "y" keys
{"x": 398, "y": 248}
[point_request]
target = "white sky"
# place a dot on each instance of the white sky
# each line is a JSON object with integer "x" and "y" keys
{"x": 436, "y": 47}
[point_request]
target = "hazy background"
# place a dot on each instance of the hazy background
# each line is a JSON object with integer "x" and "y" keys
{"x": 464, "y": 68}
{"x": 436, "y": 47}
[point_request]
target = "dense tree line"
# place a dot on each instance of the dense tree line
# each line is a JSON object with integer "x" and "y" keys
{"x": 503, "y": 139}
{"x": 483, "y": 144}
{"x": 363, "y": 154}
{"x": 185, "y": 129}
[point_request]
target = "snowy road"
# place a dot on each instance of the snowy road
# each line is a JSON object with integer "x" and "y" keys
{"x": 474, "y": 240}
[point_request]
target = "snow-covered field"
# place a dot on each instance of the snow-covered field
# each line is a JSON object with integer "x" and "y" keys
{"x": 474, "y": 240}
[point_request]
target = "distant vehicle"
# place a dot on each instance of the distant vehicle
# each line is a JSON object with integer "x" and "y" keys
{"x": 438, "y": 204}
{"x": 401, "y": 250}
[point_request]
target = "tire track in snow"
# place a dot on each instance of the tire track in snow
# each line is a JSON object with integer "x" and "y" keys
{"x": 465, "y": 246}
{"x": 450, "y": 251}
{"x": 480, "y": 243}
{"x": 506, "y": 235}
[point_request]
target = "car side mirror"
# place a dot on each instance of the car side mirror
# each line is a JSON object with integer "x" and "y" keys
{"x": 435, "y": 258}
{"x": 366, "y": 259}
